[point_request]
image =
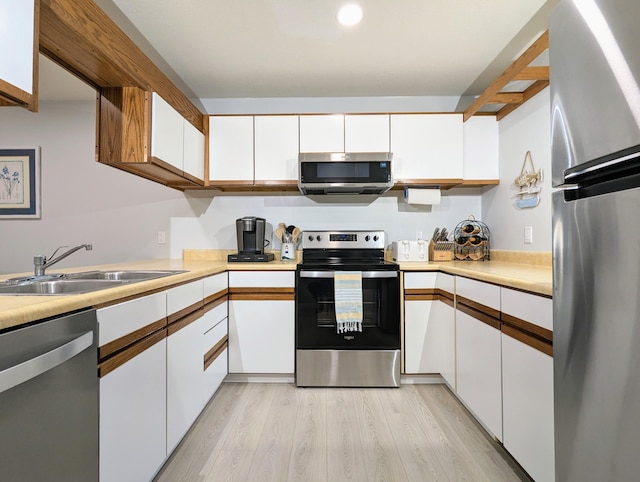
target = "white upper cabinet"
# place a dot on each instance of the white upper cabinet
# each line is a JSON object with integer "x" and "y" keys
{"x": 276, "y": 148}
{"x": 366, "y": 133}
{"x": 19, "y": 53}
{"x": 481, "y": 149}
{"x": 175, "y": 140}
{"x": 167, "y": 136}
{"x": 193, "y": 151}
{"x": 427, "y": 146}
{"x": 231, "y": 148}
{"x": 322, "y": 133}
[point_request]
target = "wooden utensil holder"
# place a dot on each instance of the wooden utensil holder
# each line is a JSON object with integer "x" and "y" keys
{"x": 439, "y": 254}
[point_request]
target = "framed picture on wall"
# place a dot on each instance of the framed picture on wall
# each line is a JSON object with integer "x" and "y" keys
{"x": 20, "y": 183}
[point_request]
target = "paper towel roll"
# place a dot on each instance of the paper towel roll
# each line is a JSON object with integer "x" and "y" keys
{"x": 426, "y": 196}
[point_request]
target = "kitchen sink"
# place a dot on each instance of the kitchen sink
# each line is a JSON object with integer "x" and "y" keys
{"x": 123, "y": 275}
{"x": 83, "y": 282}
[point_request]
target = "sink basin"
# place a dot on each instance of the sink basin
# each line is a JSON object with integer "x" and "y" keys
{"x": 58, "y": 287}
{"x": 84, "y": 282}
{"x": 123, "y": 275}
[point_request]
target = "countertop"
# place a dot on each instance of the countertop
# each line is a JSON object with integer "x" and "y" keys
{"x": 18, "y": 310}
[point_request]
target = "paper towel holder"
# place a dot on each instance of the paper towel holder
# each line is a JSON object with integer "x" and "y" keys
{"x": 422, "y": 195}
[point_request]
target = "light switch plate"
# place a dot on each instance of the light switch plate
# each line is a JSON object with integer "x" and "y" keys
{"x": 528, "y": 235}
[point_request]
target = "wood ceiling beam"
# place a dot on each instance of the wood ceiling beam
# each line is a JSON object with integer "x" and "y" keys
{"x": 533, "y": 89}
{"x": 529, "y": 55}
{"x": 506, "y": 98}
{"x": 81, "y": 37}
{"x": 540, "y": 72}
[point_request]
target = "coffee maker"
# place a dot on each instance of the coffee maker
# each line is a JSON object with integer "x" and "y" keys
{"x": 250, "y": 234}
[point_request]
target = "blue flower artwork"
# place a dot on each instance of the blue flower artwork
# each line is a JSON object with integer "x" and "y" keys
{"x": 19, "y": 183}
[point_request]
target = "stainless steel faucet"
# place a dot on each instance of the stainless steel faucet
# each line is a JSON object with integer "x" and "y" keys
{"x": 41, "y": 263}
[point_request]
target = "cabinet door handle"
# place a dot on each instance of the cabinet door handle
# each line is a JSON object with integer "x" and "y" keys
{"x": 35, "y": 366}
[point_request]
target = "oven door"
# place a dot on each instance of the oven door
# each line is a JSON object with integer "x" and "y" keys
{"x": 316, "y": 317}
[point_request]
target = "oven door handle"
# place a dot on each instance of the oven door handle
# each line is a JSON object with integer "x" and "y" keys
{"x": 365, "y": 274}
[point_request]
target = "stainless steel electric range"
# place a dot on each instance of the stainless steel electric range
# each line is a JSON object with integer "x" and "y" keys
{"x": 327, "y": 355}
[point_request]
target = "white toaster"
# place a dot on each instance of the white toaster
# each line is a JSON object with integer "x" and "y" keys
{"x": 402, "y": 251}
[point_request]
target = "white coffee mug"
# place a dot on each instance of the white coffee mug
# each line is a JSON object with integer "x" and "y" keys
{"x": 288, "y": 252}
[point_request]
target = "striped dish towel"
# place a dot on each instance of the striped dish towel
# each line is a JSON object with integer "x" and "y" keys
{"x": 348, "y": 299}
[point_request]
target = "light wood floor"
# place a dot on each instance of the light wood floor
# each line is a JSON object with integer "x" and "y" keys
{"x": 277, "y": 432}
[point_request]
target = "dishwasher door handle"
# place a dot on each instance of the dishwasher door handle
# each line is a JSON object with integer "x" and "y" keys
{"x": 40, "y": 364}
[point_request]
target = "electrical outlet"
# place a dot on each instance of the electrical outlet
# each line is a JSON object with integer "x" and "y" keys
{"x": 528, "y": 235}
{"x": 419, "y": 235}
{"x": 162, "y": 237}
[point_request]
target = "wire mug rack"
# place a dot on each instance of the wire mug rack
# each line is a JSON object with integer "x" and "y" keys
{"x": 471, "y": 240}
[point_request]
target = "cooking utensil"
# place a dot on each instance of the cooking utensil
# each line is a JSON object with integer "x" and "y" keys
{"x": 436, "y": 234}
{"x": 279, "y": 233}
{"x": 295, "y": 234}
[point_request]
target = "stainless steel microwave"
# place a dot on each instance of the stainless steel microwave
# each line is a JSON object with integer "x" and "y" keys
{"x": 344, "y": 172}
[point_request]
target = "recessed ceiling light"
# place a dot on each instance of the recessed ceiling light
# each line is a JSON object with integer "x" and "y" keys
{"x": 350, "y": 14}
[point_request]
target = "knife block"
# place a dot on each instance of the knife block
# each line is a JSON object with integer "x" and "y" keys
{"x": 440, "y": 254}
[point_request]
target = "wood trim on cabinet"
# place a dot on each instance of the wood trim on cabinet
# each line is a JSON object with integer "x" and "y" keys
{"x": 442, "y": 183}
{"x": 445, "y": 294}
{"x": 480, "y": 316}
{"x": 114, "y": 346}
{"x": 540, "y": 345}
{"x": 173, "y": 317}
{"x": 215, "y": 300}
{"x": 448, "y": 301}
{"x": 215, "y": 351}
{"x": 421, "y": 297}
{"x": 492, "y": 312}
{"x": 129, "y": 353}
{"x": 262, "y": 294}
{"x": 527, "y": 327}
{"x": 179, "y": 324}
{"x": 81, "y": 37}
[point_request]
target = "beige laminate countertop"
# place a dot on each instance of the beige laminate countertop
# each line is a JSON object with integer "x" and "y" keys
{"x": 18, "y": 310}
{"x": 536, "y": 279}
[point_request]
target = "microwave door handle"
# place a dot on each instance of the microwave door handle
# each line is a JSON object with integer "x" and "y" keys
{"x": 365, "y": 274}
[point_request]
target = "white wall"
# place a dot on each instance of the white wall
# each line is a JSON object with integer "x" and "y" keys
{"x": 525, "y": 129}
{"x": 82, "y": 201}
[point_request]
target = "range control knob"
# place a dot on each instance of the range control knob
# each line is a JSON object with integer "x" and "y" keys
{"x": 375, "y": 238}
{"x": 319, "y": 238}
{"x": 310, "y": 238}
{"x": 367, "y": 237}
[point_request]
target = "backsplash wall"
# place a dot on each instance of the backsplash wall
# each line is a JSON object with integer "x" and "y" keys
{"x": 214, "y": 227}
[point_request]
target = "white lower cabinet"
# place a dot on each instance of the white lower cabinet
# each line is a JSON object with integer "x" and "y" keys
{"x": 429, "y": 325}
{"x": 261, "y": 336}
{"x": 133, "y": 411}
{"x": 527, "y": 405}
{"x": 261, "y": 322}
{"x": 184, "y": 381}
{"x": 153, "y": 386}
{"x": 479, "y": 370}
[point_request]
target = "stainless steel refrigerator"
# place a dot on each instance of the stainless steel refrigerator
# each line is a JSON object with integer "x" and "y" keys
{"x": 595, "y": 107}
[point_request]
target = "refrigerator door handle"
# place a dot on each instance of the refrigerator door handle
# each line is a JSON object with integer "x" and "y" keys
{"x": 594, "y": 168}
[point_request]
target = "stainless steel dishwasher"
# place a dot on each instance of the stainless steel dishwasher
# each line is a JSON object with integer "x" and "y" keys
{"x": 49, "y": 400}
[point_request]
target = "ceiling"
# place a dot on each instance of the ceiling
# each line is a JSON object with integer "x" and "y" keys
{"x": 294, "y": 48}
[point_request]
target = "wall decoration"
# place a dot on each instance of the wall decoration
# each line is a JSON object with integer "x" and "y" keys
{"x": 528, "y": 182}
{"x": 20, "y": 183}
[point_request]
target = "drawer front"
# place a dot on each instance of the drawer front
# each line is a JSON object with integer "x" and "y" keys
{"x": 268, "y": 279}
{"x": 182, "y": 296}
{"x": 446, "y": 282}
{"x": 214, "y": 334}
{"x": 528, "y": 307}
{"x": 478, "y": 291}
{"x": 420, "y": 280}
{"x": 215, "y": 316}
{"x": 119, "y": 320}
{"x": 215, "y": 284}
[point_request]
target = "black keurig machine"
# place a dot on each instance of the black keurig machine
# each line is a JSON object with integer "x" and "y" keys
{"x": 250, "y": 233}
